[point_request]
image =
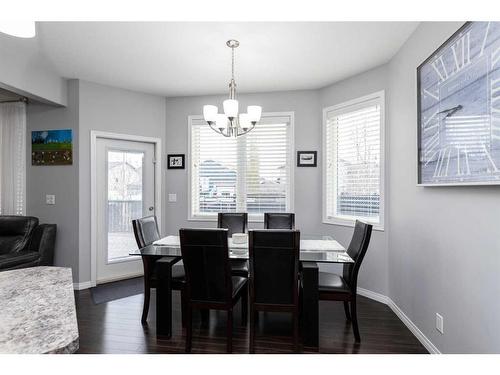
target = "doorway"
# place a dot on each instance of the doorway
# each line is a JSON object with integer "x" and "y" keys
{"x": 125, "y": 187}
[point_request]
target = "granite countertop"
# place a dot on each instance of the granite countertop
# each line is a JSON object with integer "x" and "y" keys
{"x": 37, "y": 311}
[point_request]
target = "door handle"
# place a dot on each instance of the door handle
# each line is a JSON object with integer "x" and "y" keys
{"x": 151, "y": 208}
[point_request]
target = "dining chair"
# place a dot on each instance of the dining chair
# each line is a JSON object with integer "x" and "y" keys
{"x": 146, "y": 232}
{"x": 279, "y": 220}
{"x": 274, "y": 274}
{"x": 209, "y": 283}
{"x": 235, "y": 222}
{"x": 333, "y": 287}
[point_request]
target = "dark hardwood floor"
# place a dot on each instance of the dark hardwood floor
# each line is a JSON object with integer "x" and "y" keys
{"x": 115, "y": 327}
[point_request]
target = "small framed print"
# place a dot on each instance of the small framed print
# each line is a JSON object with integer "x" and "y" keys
{"x": 307, "y": 158}
{"x": 175, "y": 161}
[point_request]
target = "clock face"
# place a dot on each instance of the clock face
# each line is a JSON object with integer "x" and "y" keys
{"x": 459, "y": 108}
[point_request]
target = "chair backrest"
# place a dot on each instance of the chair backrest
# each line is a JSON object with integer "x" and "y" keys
{"x": 274, "y": 266}
{"x": 205, "y": 256}
{"x": 16, "y": 232}
{"x": 234, "y": 222}
{"x": 279, "y": 220}
{"x": 145, "y": 231}
{"x": 357, "y": 250}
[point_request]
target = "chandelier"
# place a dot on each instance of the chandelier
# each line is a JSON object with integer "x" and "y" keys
{"x": 231, "y": 123}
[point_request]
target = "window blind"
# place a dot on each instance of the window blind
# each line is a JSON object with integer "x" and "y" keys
{"x": 250, "y": 173}
{"x": 353, "y": 162}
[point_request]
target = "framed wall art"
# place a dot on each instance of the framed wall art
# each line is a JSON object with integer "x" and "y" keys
{"x": 458, "y": 102}
{"x": 175, "y": 161}
{"x": 52, "y": 147}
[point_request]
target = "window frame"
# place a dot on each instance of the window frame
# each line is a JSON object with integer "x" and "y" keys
{"x": 252, "y": 218}
{"x": 344, "y": 107}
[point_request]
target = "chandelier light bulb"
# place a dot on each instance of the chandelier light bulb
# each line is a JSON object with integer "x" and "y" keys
{"x": 221, "y": 121}
{"x": 231, "y": 107}
{"x": 210, "y": 113}
{"x": 254, "y": 112}
{"x": 244, "y": 121}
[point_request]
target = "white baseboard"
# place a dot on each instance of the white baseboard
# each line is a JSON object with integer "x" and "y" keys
{"x": 373, "y": 295}
{"x": 402, "y": 316}
{"x": 81, "y": 286}
{"x": 413, "y": 328}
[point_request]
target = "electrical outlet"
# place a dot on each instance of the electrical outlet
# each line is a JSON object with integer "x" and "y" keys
{"x": 50, "y": 199}
{"x": 172, "y": 197}
{"x": 439, "y": 323}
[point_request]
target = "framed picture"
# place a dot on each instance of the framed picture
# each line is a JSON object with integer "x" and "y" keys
{"x": 175, "y": 161}
{"x": 458, "y": 101}
{"x": 52, "y": 147}
{"x": 307, "y": 158}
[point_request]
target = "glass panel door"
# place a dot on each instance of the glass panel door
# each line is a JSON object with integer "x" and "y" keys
{"x": 125, "y": 203}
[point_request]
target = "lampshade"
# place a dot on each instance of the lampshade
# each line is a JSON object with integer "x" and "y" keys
{"x": 244, "y": 121}
{"x": 231, "y": 107}
{"x": 210, "y": 112}
{"x": 21, "y": 29}
{"x": 221, "y": 121}
{"x": 254, "y": 112}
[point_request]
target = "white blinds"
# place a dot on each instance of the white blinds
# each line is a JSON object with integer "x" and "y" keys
{"x": 250, "y": 173}
{"x": 353, "y": 162}
{"x": 12, "y": 158}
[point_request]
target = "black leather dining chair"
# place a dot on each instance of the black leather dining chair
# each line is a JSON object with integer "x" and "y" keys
{"x": 279, "y": 220}
{"x": 274, "y": 273}
{"x": 333, "y": 287}
{"x": 235, "y": 222}
{"x": 146, "y": 232}
{"x": 209, "y": 283}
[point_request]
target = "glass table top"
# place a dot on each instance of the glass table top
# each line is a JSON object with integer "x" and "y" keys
{"x": 313, "y": 248}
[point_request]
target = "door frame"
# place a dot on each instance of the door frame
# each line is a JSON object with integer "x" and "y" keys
{"x": 94, "y": 135}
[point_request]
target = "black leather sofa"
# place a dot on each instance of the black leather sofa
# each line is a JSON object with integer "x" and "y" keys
{"x": 25, "y": 243}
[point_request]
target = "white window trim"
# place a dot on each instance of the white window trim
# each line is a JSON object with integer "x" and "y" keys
{"x": 252, "y": 218}
{"x": 358, "y": 102}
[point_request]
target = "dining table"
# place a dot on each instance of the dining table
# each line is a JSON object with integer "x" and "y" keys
{"x": 314, "y": 250}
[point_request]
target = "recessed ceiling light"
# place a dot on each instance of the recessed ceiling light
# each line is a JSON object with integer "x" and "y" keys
{"x": 21, "y": 29}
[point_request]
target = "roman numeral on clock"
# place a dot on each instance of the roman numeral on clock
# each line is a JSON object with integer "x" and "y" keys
{"x": 461, "y": 51}
{"x": 440, "y": 69}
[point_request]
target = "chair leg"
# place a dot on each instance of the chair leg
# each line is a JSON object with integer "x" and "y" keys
{"x": 354, "y": 317}
{"x": 252, "y": 330}
{"x": 229, "y": 330}
{"x": 147, "y": 295}
{"x": 296, "y": 330}
{"x": 244, "y": 307}
{"x": 189, "y": 328}
{"x": 183, "y": 308}
{"x": 346, "y": 310}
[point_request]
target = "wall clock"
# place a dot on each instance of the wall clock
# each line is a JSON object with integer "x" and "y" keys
{"x": 459, "y": 109}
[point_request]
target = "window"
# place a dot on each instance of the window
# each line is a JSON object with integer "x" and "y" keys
{"x": 353, "y": 161}
{"x": 251, "y": 173}
{"x": 12, "y": 158}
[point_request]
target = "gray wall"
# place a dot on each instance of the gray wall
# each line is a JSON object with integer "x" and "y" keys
{"x": 62, "y": 181}
{"x": 444, "y": 244}
{"x": 115, "y": 110}
{"x": 25, "y": 70}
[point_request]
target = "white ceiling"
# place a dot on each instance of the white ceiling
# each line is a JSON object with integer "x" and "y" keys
{"x": 191, "y": 58}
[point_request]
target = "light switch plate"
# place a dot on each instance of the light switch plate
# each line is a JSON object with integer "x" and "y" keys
{"x": 172, "y": 197}
{"x": 50, "y": 199}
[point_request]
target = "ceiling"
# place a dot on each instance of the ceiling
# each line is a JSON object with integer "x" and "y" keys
{"x": 191, "y": 58}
